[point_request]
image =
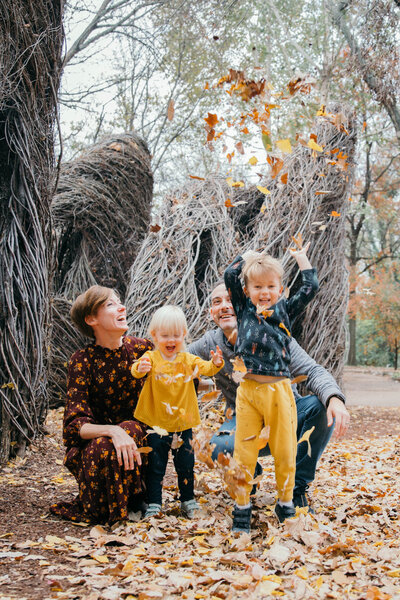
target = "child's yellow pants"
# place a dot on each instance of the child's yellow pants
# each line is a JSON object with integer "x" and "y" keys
{"x": 259, "y": 405}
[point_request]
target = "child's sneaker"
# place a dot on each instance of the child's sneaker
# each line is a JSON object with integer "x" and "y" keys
{"x": 284, "y": 512}
{"x": 241, "y": 519}
{"x": 152, "y": 510}
{"x": 189, "y": 508}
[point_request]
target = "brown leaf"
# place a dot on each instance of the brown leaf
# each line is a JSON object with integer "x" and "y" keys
{"x": 171, "y": 110}
{"x": 155, "y": 228}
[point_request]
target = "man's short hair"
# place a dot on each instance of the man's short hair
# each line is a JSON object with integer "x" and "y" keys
{"x": 258, "y": 265}
{"x": 87, "y": 304}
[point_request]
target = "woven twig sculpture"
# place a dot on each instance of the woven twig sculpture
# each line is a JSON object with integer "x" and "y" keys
{"x": 199, "y": 235}
{"x": 101, "y": 213}
{"x": 30, "y": 54}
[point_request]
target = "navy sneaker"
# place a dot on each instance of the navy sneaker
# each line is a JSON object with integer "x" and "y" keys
{"x": 284, "y": 512}
{"x": 241, "y": 520}
{"x": 300, "y": 499}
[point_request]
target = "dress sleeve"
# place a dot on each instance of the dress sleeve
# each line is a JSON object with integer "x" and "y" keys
{"x": 205, "y": 367}
{"x": 77, "y": 409}
{"x": 234, "y": 285}
{"x": 309, "y": 287}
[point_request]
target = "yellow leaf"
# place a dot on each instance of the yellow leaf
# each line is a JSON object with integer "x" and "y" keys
{"x": 306, "y": 438}
{"x": 263, "y": 209}
{"x": 285, "y": 146}
{"x": 314, "y": 146}
{"x": 263, "y": 189}
{"x": 101, "y": 558}
{"x": 302, "y": 573}
{"x": 253, "y": 160}
{"x": 233, "y": 183}
{"x": 145, "y": 449}
{"x": 158, "y": 430}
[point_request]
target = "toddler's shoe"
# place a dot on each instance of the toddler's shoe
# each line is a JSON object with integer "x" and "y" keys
{"x": 284, "y": 512}
{"x": 241, "y": 520}
{"x": 152, "y": 510}
{"x": 189, "y": 508}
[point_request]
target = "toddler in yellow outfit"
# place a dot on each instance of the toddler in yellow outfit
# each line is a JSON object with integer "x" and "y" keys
{"x": 168, "y": 400}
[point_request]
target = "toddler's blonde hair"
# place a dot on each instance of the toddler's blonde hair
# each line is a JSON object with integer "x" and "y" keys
{"x": 257, "y": 265}
{"x": 170, "y": 318}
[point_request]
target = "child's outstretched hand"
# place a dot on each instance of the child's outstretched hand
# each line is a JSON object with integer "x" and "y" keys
{"x": 216, "y": 357}
{"x": 144, "y": 365}
{"x": 300, "y": 254}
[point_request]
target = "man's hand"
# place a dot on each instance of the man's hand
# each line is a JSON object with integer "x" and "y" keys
{"x": 125, "y": 447}
{"x": 337, "y": 410}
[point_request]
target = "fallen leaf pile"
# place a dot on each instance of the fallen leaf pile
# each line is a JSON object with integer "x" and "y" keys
{"x": 349, "y": 549}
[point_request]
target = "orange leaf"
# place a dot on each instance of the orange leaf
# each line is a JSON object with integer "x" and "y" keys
{"x": 155, "y": 228}
{"x": 211, "y": 120}
{"x": 145, "y": 449}
{"x": 299, "y": 379}
{"x": 239, "y": 147}
{"x": 276, "y": 165}
{"x": 195, "y": 177}
{"x": 335, "y": 214}
{"x": 284, "y": 178}
{"x": 298, "y": 241}
{"x": 171, "y": 110}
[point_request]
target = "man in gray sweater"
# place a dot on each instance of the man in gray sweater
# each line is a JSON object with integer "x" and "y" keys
{"x": 324, "y": 409}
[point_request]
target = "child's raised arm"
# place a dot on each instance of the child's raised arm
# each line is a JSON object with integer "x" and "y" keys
{"x": 141, "y": 367}
{"x": 300, "y": 254}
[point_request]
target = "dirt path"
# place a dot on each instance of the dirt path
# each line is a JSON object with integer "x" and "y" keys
{"x": 366, "y": 388}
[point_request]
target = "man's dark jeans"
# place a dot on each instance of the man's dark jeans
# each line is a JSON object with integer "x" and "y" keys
{"x": 158, "y": 458}
{"x": 310, "y": 412}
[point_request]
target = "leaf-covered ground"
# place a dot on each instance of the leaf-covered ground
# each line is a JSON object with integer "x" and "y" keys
{"x": 350, "y": 549}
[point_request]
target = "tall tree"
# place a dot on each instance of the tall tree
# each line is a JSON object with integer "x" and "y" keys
{"x": 31, "y": 39}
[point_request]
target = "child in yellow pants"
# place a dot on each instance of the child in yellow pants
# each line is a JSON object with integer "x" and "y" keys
{"x": 265, "y": 397}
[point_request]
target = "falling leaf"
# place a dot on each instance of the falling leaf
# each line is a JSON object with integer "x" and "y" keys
{"x": 145, "y": 449}
{"x": 298, "y": 241}
{"x": 265, "y": 312}
{"x": 282, "y": 326}
{"x": 233, "y": 183}
{"x": 322, "y": 192}
{"x": 263, "y": 437}
{"x": 177, "y": 441}
{"x": 230, "y": 204}
{"x": 284, "y": 178}
{"x": 239, "y": 147}
{"x": 263, "y": 189}
{"x": 155, "y": 228}
{"x": 284, "y": 146}
{"x": 253, "y": 160}
{"x": 276, "y": 165}
{"x": 314, "y": 146}
{"x": 196, "y": 177}
{"x": 299, "y": 379}
{"x": 306, "y": 438}
{"x": 158, "y": 430}
{"x": 210, "y": 396}
{"x": 211, "y": 120}
{"x": 335, "y": 214}
{"x": 266, "y": 141}
{"x": 169, "y": 409}
{"x": 171, "y": 110}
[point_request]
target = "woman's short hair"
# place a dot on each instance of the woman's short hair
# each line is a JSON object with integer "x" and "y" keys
{"x": 87, "y": 304}
{"x": 258, "y": 265}
{"x": 168, "y": 317}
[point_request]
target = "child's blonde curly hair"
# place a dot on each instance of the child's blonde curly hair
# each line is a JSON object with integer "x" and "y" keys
{"x": 257, "y": 265}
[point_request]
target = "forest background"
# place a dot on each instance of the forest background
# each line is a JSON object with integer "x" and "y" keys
{"x": 154, "y": 67}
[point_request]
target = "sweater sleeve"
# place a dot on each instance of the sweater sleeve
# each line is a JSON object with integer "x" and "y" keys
{"x": 319, "y": 381}
{"x": 234, "y": 285}
{"x": 309, "y": 287}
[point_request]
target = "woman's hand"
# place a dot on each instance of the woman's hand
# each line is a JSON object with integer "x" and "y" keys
{"x": 216, "y": 357}
{"x": 125, "y": 447}
{"x": 144, "y": 365}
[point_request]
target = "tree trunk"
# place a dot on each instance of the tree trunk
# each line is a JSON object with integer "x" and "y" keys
{"x": 352, "y": 357}
{"x": 31, "y": 38}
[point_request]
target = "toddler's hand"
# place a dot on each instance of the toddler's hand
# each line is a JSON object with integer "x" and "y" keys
{"x": 299, "y": 251}
{"x": 216, "y": 357}
{"x": 144, "y": 365}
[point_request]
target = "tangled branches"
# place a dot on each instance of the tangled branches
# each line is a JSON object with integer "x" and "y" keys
{"x": 101, "y": 214}
{"x": 199, "y": 235}
{"x": 30, "y": 49}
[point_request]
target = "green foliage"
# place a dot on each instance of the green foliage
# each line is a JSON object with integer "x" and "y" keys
{"x": 372, "y": 346}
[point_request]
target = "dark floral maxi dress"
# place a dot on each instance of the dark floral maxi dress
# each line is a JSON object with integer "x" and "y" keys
{"x": 102, "y": 391}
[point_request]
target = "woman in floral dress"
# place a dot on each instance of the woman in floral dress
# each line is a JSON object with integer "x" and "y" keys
{"x": 100, "y": 435}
